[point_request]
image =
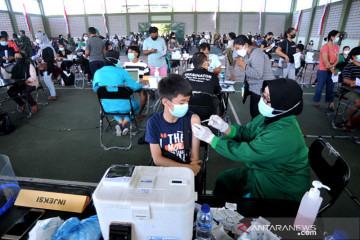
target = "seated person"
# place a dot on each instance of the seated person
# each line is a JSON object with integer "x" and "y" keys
{"x": 23, "y": 70}
{"x": 133, "y": 54}
{"x": 63, "y": 52}
{"x": 215, "y": 64}
{"x": 202, "y": 80}
{"x": 6, "y": 55}
{"x": 344, "y": 59}
{"x": 164, "y": 130}
{"x": 84, "y": 63}
{"x": 272, "y": 147}
{"x": 349, "y": 74}
{"x": 112, "y": 75}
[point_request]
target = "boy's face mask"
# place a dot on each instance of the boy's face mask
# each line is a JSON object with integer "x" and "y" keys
{"x": 179, "y": 109}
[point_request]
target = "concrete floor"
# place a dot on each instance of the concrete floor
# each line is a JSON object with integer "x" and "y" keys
{"x": 61, "y": 141}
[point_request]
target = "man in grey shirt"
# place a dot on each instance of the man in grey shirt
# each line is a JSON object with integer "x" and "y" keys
{"x": 95, "y": 50}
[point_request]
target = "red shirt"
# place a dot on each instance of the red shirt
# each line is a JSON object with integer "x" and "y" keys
{"x": 332, "y": 52}
{"x": 13, "y": 45}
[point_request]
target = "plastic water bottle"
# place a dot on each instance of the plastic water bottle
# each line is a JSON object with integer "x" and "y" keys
{"x": 338, "y": 235}
{"x": 222, "y": 76}
{"x": 204, "y": 223}
{"x": 157, "y": 72}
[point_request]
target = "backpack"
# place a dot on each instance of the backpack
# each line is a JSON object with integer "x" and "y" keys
{"x": 5, "y": 124}
{"x": 68, "y": 79}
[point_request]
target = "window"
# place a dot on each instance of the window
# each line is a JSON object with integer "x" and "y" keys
{"x": 52, "y": 9}
{"x": 323, "y": 2}
{"x": 230, "y": 6}
{"x": 160, "y": 6}
{"x": 138, "y": 5}
{"x": 184, "y": 5}
{"x": 253, "y": 5}
{"x": 304, "y": 4}
{"x": 3, "y": 5}
{"x": 94, "y": 6}
{"x": 206, "y": 5}
{"x": 115, "y": 6}
{"x": 74, "y": 7}
{"x": 278, "y": 5}
{"x": 32, "y": 6}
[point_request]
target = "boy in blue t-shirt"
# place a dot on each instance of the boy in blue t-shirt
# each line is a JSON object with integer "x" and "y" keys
{"x": 164, "y": 130}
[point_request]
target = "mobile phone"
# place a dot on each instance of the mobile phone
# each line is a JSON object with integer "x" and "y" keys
{"x": 120, "y": 231}
{"x": 23, "y": 225}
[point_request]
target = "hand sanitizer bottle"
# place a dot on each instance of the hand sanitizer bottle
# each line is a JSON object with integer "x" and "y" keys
{"x": 309, "y": 207}
{"x": 157, "y": 72}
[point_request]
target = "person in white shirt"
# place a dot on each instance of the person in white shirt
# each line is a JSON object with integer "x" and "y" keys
{"x": 133, "y": 54}
{"x": 215, "y": 64}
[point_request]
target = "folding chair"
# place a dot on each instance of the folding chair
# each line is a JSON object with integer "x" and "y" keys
{"x": 335, "y": 176}
{"x": 121, "y": 93}
{"x": 343, "y": 104}
{"x": 79, "y": 75}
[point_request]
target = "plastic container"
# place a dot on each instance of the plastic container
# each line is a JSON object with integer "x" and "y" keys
{"x": 157, "y": 74}
{"x": 309, "y": 207}
{"x": 204, "y": 223}
{"x": 338, "y": 235}
{"x": 159, "y": 202}
{"x": 9, "y": 187}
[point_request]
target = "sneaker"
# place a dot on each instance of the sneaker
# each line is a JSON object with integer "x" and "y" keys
{"x": 330, "y": 109}
{"x": 118, "y": 130}
{"x": 125, "y": 131}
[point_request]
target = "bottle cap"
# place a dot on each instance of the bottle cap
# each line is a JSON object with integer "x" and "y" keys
{"x": 205, "y": 208}
{"x": 314, "y": 192}
{"x": 340, "y": 235}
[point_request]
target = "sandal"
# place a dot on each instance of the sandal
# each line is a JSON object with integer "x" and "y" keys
{"x": 318, "y": 106}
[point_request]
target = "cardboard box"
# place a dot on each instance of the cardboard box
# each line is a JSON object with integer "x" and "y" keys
{"x": 51, "y": 200}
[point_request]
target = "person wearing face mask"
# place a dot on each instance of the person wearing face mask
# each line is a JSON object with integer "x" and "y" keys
{"x": 257, "y": 68}
{"x": 63, "y": 53}
{"x": 229, "y": 53}
{"x": 187, "y": 44}
{"x": 46, "y": 54}
{"x": 329, "y": 57}
{"x": 310, "y": 46}
{"x": 84, "y": 38}
{"x": 215, "y": 64}
{"x": 23, "y": 70}
{"x": 155, "y": 48}
{"x": 266, "y": 44}
{"x": 133, "y": 54}
{"x": 165, "y": 130}
{"x": 349, "y": 74}
{"x": 6, "y": 55}
{"x": 344, "y": 59}
{"x": 272, "y": 147}
{"x": 10, "y": 43}
{"x": 113, "y": 75}
{"x": 286, "y": 51}
{"x": 24, "y": 44}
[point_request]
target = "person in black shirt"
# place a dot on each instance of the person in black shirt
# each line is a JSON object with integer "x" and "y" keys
{"x": 300, "y": 46}
{"x": 63, "y": 52}
{"x": 266, "y": 44}
{"x": 286, "y": 51}
{"x": 201, "y": 79}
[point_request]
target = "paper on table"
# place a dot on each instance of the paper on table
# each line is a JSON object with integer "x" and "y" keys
{"x": 163, "y": 53}
{"x": 357, "y": 82}
{"x": 334, "y": 78}
{"x": 297, "y": 60}
{"x": 309, "y": 57}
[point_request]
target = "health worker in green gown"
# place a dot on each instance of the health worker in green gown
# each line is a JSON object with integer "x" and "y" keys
{"x": 272, "y": 147}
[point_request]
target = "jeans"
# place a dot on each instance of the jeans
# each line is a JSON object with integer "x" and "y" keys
{"x": 49, "y": 83}
{"x": 289, "y": 71}
{"x": 324, "y": 77}
{"x": 95, "y": 65}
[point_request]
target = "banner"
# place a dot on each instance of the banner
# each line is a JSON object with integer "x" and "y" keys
{"x": 322, "y": 20}
{"x": 26, "y": 18}
{"x": 216, "y": 14}
{"x": 66, "y": 20}
{"x": 104, "y": 18}
{"x": 298, "y": 21}
{"x": 260, "y": 19}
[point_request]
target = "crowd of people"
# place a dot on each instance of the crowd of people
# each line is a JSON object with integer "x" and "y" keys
{"x": 175, "y": 133}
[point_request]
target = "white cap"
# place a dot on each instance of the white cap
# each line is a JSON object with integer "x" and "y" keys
{"x": 314, "y": 192}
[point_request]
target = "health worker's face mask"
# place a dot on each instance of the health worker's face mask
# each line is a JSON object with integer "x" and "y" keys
{"x": 179, "y": 109}
{"x": 267, "y": 111}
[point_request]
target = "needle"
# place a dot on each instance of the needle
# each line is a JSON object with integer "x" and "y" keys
{"x": 206, "y": 120}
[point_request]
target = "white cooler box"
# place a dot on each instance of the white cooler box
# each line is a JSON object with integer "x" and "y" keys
{"x": 158, "y": 201}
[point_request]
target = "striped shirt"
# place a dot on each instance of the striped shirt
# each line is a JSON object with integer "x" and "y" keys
{"x": 143, "y": 67}
{"x": 351, "y": 71}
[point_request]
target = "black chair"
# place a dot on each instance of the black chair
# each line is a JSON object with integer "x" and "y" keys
{"x": 335, "y": 176}
{"x": 121, "y": 93}
{"x": 202, "y": 104}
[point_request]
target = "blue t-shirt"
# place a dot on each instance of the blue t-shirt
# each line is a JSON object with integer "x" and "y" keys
{"x": 168, "y": 135}
{"x": 155, "y": 59}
